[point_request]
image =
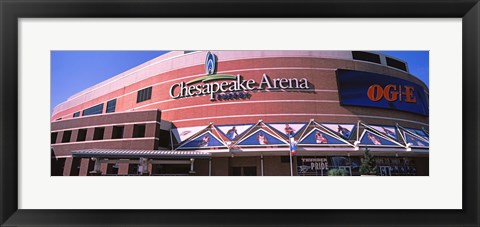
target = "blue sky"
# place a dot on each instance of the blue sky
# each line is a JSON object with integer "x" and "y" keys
{"x": 74, "y": 71}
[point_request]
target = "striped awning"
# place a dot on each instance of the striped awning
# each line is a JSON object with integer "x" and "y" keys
{"x": 115, "y": 153}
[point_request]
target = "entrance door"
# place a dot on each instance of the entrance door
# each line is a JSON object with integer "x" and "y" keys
{"x": 244, "y": 171}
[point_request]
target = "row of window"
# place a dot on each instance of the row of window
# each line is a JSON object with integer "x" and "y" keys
{"x": 142, "y": 95}
{"x": 375, "y": 58}
{"x": 98, "y": 133}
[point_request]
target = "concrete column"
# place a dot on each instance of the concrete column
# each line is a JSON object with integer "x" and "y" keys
{"x": 191, "y": 166}
{"x": 73, "y": 137}
{"x": 210, "y": 167}
{"x": 68, "y": 166}
{"x": 149, "y": 169}
{"x": 122, "y": 168}
{"x": 128, "y": 131}
{"x": 59, "y": 137}
{"x": 90, "y": 132}
{"x": 108, "y": 133}
{"x": 103, "y": 168}
{"x": 261, "y": 164}
{"x": 150, "y": 129}
{"x": 84, "y": 167}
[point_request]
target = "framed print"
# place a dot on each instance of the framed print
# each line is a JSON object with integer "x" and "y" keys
{"x": 309, "y": 96}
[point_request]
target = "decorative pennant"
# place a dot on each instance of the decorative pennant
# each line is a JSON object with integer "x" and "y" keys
{"x": 415, "y": 141}
{"x": 418, "y": 132}
{"x": 369, "y": 138}
{"x": 181, "y": 134}
{"x": 344, "y": 130}
{"x": 207, "y": 139}
{"x": 261, "y": 138}
{"x": 386, "y": 130}
{"x": 233, "y": 131}
{"x": 318, "y": 137}
{"x": 288, "y": 128}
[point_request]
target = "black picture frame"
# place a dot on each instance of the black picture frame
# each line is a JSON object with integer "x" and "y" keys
{"x": 11, "y": 11}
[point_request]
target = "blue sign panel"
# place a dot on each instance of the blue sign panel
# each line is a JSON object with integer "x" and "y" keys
{"x": 261, "y": 138}
{"x": 357, "y": 88}
{"x": 415, "y": 142}
{"x": 318, "y": 137}
{"x": 371, "y": 139}
{"x": 206, "y": 140}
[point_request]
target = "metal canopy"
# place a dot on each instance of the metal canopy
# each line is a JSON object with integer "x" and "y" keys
{"x": 116, "y": 153}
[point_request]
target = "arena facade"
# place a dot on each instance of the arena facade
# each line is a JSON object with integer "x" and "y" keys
{"x": 241, "y": 113}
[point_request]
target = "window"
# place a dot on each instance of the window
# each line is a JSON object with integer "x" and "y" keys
{"x": 98, "y": 109}
{"x": 112, "y": 168}
{"x": 66, "y": 136}
{"x": 138, "y": 131}
{"x": 98, "y": 133}
{"x": 365, "y": 56}
{"x": 76, "y": 114}
{"x": 132, "y": 169}
{"x": 53, "y": 137}
{"x": 82, "y": 135}
{"x": 144, "y": 94}
{"x": 75, "y": 167}
{"x": 396, "y": 64}
{"x": 111, "y": 106}
{"x": 117, "y": 132}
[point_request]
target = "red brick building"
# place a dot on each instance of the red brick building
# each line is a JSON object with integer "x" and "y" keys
{"x": 239, "y": 112}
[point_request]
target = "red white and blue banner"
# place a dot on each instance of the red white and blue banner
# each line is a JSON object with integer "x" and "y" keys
{"x": 293, "y": 146}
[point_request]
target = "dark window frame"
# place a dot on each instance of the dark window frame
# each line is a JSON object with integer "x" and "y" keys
{"x": 144, "y": 94}
{"x": 82, "y": 135}
{"x": 64, "y": 139}
{"x": 394, "y": 63}
{"x": 137, "y": 130}
{"x": 366, "y": 56}
{"x": 97, "y": 109}
{"x": 53, "y": 137}
{"x": 111, "y": 106}
{"x": 116, "y": 132}
{"x": 96, "y": 133}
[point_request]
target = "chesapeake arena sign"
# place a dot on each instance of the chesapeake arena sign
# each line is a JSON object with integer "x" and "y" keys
{"x": 226, "y": 87}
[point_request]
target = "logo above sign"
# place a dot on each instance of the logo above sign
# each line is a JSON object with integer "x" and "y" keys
{"x": 210, "y": 63}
